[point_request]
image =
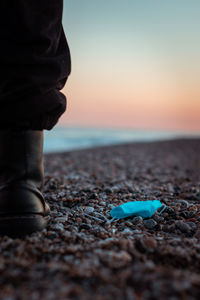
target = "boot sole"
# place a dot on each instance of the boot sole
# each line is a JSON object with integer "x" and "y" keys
{"x": 22, "y": 225}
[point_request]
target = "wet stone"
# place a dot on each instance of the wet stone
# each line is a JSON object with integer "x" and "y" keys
{"x": 89, "y": 209}
{"x": 170, "y": 210}
{"x": 108, "y": 190}
{"x": 171, "y": 228}
{"x": 146, "y": 244}
{"x": 184, "y": 204}
{"x": 183, "y": 227}
{"x": 59, "y": 227}
{"x": 85, "y": 226}
{"x": 150, "y": 223}
{"x": 192, "y": 225}
{"x": 61, "y": 219}
{"x": 184, "y": 214}
{"x": 191, "y": 214}
{"x": 127, "y": 231}
{"x": 137, "y": 220}
{"x": 111, "y": 206}
{"x": 51, "y": 235}
{"x": 158, "y": 218}
{"x": 129, "y": 224}
{"x": 197, "y": 234}
{"x": 115, "y": 259}
{"x": 93, "y": 196}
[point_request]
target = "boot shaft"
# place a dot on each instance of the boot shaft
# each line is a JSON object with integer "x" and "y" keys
{"x": 21, "y": 157}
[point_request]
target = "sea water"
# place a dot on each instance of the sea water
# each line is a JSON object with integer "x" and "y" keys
{"x": 66, "y": 138}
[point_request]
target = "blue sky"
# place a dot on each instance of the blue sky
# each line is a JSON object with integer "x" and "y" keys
{"x": 136, "y": 46}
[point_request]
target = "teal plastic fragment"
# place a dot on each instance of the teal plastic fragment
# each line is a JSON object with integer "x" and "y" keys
{"x": 145, "y": 209}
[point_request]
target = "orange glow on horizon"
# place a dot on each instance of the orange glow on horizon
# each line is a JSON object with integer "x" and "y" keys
{"x": 137, "y": 66}
{"x": 146, "y": 106}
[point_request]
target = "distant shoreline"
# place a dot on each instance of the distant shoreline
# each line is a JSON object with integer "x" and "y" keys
{"x": 67, "y": 139}
{"x": 126, "y": 144}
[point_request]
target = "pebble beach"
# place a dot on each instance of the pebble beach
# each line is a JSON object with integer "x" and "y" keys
{"x": 86, "y": 254}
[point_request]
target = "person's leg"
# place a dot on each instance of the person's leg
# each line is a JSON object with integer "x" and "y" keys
{"x": 34, "y": 66}
{"x": 34, "y": 63}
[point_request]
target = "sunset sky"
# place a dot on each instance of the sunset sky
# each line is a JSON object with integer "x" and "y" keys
{"x": 135, "y": 64}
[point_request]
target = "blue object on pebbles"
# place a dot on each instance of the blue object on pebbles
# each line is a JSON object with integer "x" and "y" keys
{"x": 145, "y": 209}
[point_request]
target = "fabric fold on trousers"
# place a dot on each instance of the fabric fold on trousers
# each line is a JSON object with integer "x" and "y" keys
{"x": 34, "y": 63}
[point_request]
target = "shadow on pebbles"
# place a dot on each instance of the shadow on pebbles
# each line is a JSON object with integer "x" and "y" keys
{"x": 85, "y": 254}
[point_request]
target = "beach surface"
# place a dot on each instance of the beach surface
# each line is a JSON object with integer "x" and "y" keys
{"x": 84, "y": 254}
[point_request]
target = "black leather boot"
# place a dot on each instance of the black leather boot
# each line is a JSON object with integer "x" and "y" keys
{"x": 23, "y": 209}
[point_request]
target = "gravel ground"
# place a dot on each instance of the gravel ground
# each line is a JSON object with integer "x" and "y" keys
{"x": 84, "y": 254}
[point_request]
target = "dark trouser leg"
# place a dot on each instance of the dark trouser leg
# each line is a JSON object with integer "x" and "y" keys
{"x": 34, "y": 63}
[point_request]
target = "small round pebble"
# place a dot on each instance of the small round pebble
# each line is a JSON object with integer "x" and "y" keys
{"x": 170, "y": 210}
{"x": 84, "y": 226}
{"x": 150, "y": 223}
{"x": 59, "y": 226}
{"x": 137, "y": 220}
{"x": 89, "y": 209}
{"x": 183, "y": 227}
{"x": 127, "y": 231}
{"x": 192, "y": 225}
